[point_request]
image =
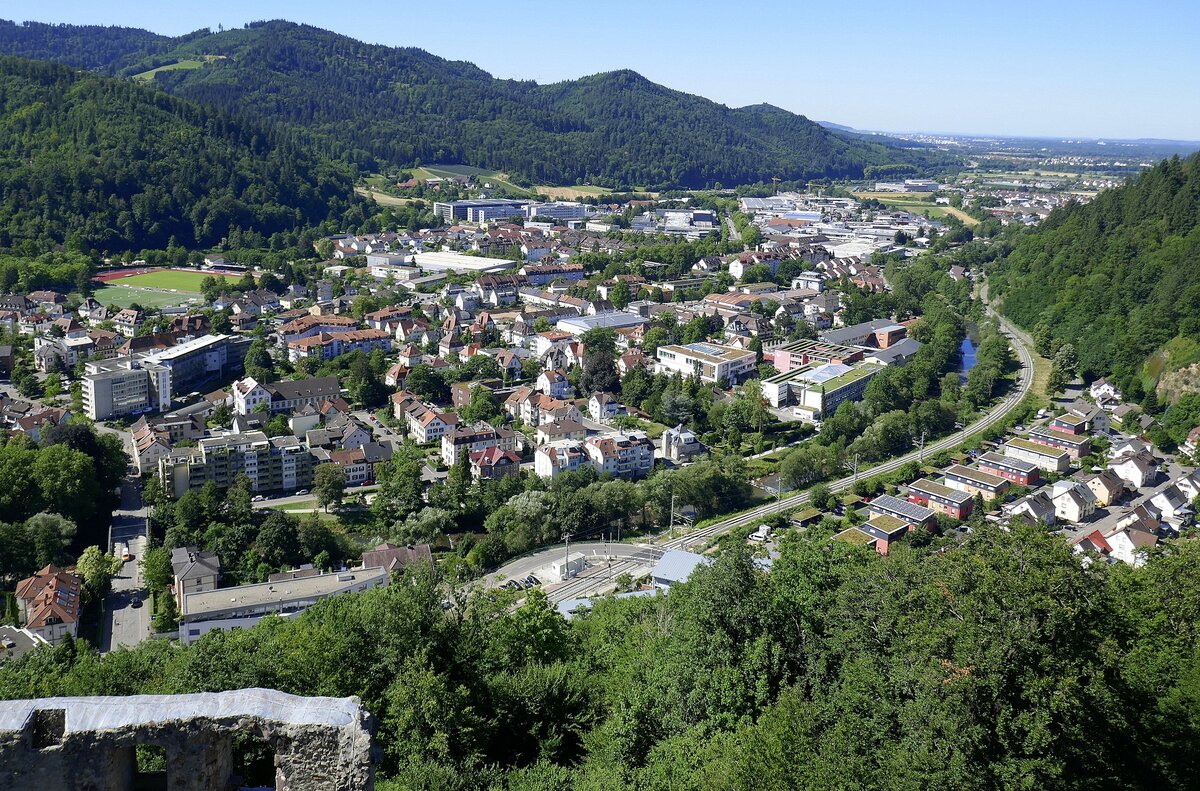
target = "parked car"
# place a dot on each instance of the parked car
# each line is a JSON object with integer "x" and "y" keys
{"x": 137, "y": 602}
{"x": 258, "y": 498}
{"x": 532, "y": 580}
{"x": 302, "y": 491}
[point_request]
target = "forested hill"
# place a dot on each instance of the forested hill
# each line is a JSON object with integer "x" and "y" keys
{"x": 383, "y": 105}
{"x": 107, "y": 164}
{"x": 1118, "y": 277}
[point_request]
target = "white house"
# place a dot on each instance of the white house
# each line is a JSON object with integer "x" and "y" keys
{"x": 554, "y": 458}
{"x": 1136, "y": 469}
{"x": 1073, "y": 501}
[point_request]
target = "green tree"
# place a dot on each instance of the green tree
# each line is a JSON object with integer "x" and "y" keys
{"x": 157, "y": 571}
{"x": 97, "y": 569}
{"x": 329, "y": 485}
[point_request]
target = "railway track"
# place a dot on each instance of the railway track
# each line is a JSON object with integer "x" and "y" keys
{"x": 998, "y": 413}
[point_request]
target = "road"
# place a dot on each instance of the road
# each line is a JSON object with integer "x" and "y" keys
{"x": 734, "y": 234}
{"x": 998, "y": 413}
{"x": 124, "y": 624}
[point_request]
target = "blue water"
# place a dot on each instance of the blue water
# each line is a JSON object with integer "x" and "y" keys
{"x": 967, "y": 352}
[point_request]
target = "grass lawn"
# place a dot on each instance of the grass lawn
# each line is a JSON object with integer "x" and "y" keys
{"x": 183, "y": 64}
{"x": 166, "y": 278}
{"x": 124, "y": 296}
{"x": 570, "y": 193}
{"x": 382, "y": 198}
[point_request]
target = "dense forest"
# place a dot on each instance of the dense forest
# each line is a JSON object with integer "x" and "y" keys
{"x": 381, "y": 106}
{"x": 98, "y": 163}
{"x": 1117, "y": 278}
{"x": 1000, "y": 663}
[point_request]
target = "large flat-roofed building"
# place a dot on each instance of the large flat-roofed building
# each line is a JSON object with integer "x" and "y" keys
{"x": 877, "y": 334}
{"x": 480, "y": 210}
{"x": 613, "y": 320}
{"x": 819, "y": 390}
{"x": 559, "y": 210}
{"x": 1047, "y": 458}
{"x": 246, "y": 605}
{"x": 708, "y": 362}
{"x": 458, "y": 262}
{"x": 128, "y": 387}
{"x": 271, "y": 463}
{"x": 147, "y": 382}
{"x": 800, "y": 354}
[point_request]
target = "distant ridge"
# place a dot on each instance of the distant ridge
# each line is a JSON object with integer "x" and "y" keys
{"x": 385, "y": 106}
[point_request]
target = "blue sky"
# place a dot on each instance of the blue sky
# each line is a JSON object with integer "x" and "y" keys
{"x": 1056, "y": 67}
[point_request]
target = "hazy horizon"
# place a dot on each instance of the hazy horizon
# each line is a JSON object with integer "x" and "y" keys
{"x": 1024, "y": 70}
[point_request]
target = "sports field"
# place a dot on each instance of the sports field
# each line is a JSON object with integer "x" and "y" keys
{"x": 124, "y": 296}
{"x": 164, "y": 279}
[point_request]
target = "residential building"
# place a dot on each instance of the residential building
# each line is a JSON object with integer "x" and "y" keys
{"x": 558, "y": 430}
{"x": 680, "y": 444}
{"x": 430, "y": 425}
{"x": 463, "y": 440}
{"x": 393, "y": 558}
{"x": 49, "y": 604}
{"x": 1137, "y": 470}
{"x": 1173, "y": 507}
{"x": 195, "y": 571}
{"x": 1019, "y": 471}
{"x": 245, "y": 605}
{"x": 974, "y": 482}
{"x": 288, "y": 395}
{"x": 272, "y": 464}
{"x": 1107, "y": 486}
{"x": 629, "y": 455}
{"x": 554, "y": 458}
{"x": 907, "y": 512}
{"x": 881, "y": 531}
{"x": 327, "y": 345}
{"x": 1075, "y": 446}
{"x": 1046, "y": 458}
{"x": 493, "y": 463}
{"x": 1068, "y": 423}
{"x": 1073, "y": 501}
{"x": 603, "y": 407}
{"x": 941, "y": 498}
{"x": 554, "y": 383}
{"x": 1036, "y": 507}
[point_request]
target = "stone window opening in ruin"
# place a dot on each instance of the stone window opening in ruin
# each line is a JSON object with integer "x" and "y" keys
{"x": 150, "y": 767}
{"x": 254, "y": 760}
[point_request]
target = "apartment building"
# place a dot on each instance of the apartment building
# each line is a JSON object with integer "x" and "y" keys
{"x": 273, "y": 464}
{"x": 629, "y": 455}
{"x": 554, "y": 458}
